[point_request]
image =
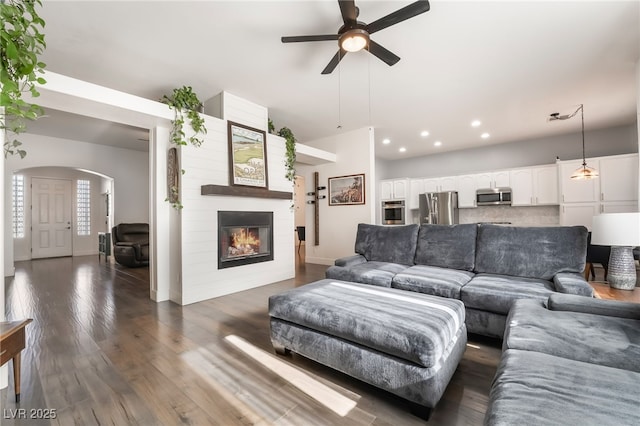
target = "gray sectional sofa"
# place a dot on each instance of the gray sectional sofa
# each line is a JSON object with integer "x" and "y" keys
{"x": 486, "y": 266}
{"x": 570, "y": 360}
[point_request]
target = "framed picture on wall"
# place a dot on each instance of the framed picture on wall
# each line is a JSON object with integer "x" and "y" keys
{"x": 346, "y": 190}
{"x": 247, "y": 156}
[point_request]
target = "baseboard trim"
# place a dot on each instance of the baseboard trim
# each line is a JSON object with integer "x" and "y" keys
{"x": 319, "y": 260}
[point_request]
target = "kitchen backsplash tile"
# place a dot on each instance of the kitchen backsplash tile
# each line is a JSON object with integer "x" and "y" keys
{"x": 518, "y": 216}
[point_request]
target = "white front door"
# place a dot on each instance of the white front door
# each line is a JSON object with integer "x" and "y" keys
{"x": 50, "y": 218}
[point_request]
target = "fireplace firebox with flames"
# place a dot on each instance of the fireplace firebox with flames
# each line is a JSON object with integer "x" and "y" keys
{"x": 244, "y": 238}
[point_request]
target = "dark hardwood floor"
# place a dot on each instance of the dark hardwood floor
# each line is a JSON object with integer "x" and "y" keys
{"x": 100, "y": 352}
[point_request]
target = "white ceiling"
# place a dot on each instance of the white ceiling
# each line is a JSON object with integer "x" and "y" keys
{"x": 507, "y": 63}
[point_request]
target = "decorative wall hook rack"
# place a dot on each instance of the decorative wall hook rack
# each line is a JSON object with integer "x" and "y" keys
{"x": 316, "y": 208}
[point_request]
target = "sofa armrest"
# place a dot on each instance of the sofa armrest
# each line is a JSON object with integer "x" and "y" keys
{"x": 587, "y": 305}
{"x": 572, "y": 283}
{"x": 350, "y": 260}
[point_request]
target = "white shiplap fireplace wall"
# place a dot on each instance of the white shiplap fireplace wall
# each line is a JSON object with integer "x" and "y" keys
{"x": 209, "y": 164}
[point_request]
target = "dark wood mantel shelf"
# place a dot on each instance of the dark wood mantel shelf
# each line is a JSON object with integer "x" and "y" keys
{"x": 244, "y": 191}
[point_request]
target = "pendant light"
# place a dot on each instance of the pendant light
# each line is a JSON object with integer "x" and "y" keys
{"x": 584, "y": 171}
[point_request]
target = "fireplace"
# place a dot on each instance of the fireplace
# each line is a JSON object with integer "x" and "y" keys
{"x": 244, "y": 238}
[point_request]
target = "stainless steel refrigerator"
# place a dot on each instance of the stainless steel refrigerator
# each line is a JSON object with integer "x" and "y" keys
{"x": 439, "y": 208}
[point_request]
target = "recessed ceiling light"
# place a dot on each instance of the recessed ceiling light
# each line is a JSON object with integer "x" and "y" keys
{"x": 476, "y": 123}
{"x": 402, "y": 149}
{"x": 485, "y": 136}
{"x": 424, "y": 133}
{"x": 437, "y": 143}
{"x": 386, "y": 141}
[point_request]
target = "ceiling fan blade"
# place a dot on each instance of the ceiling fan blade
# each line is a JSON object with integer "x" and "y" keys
{"x": 383, "y": 54}
{"x": 333, "y": 63}
{"x": 399, "y": 15}
{"x": 348, "y": 11}
{"x": 324, "y": 37}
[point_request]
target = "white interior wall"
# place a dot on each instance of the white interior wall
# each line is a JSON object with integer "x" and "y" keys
{"x": 81, "y": 244}
{"x": 128, "y": 168}
{"x": 354, "y": 155}
{"x": 603, "y": 142}
{"x": 209, "y": 164}
{"x": 80, "y": 97}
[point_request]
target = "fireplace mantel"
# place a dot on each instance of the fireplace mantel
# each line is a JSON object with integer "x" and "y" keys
{"x": 244, "y": 191}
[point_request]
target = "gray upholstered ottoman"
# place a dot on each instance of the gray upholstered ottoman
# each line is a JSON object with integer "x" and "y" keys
{"x": 403, "y": 342}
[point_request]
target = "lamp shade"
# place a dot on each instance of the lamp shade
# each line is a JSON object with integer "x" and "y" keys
{"x": 616, "y": 229}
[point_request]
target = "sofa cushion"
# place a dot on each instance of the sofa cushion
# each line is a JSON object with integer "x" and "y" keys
{"x": 395, "y": 244}
{"x": 447, "y": 246}
{"x": 588, "y": 305}
{"x": 432, "y": 280}
{"x": 415, "y": 327}
{"x": 533, "y": 252}
{"x": 375, "y": 273}
{"x": 496, "y": 293}
{"x": 597, "y": 339}
{"x": 532, "y": 388}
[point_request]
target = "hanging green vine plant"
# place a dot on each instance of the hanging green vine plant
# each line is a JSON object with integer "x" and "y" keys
{"x": 21, "y": 42}
{"x": 184, "y": 101}
{"x": 290, "y": 160}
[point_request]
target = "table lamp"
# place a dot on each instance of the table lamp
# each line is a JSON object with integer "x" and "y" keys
{"x": 621, "y": 231}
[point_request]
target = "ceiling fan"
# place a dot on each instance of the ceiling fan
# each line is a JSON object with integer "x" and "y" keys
{"x": 354, "y": 35}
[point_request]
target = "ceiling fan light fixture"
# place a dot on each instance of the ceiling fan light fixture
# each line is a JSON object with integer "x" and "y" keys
{"x": 354, "y": 40}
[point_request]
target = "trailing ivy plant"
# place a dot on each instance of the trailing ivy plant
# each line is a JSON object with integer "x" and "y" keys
{"x": 290, "y": 160}
{"x": 174, "y": 194}
{"x": 186, "y": 106}
{"x": 185, "y": 102}
{"x": 21, "y": 42}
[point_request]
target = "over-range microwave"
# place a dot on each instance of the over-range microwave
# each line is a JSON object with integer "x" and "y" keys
{"x": 493, "y": 196}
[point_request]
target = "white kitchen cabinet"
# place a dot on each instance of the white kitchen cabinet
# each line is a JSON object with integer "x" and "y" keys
{"x": 493, "y": 179}
{"x": 534, "y": 186}
{"x": 416, "y": 187}
{"x": 619, "y": 178}
{"x": 501, "y": 179}
{"x": 467, "y": 187}
{"x": 578, "y": 190}
{"x": 522, "y": 187}
{"x": 545, "y": 185}
{"x": 614, "y": 191}
{"x": 619, "y": 207}
{"x": 449, "y": 183}
{"x": 578, "y": 214}
{"x": 441, "y": 184}
{"x": 400, "y": 189}
{"x": 386, "y": 190}
{"x": 393, "y": 189}
{"x": 420, "y": 186}
{"x": 430, "y": 185}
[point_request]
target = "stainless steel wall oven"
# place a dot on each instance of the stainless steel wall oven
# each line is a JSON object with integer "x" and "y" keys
{"x": 393, "y": 212}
